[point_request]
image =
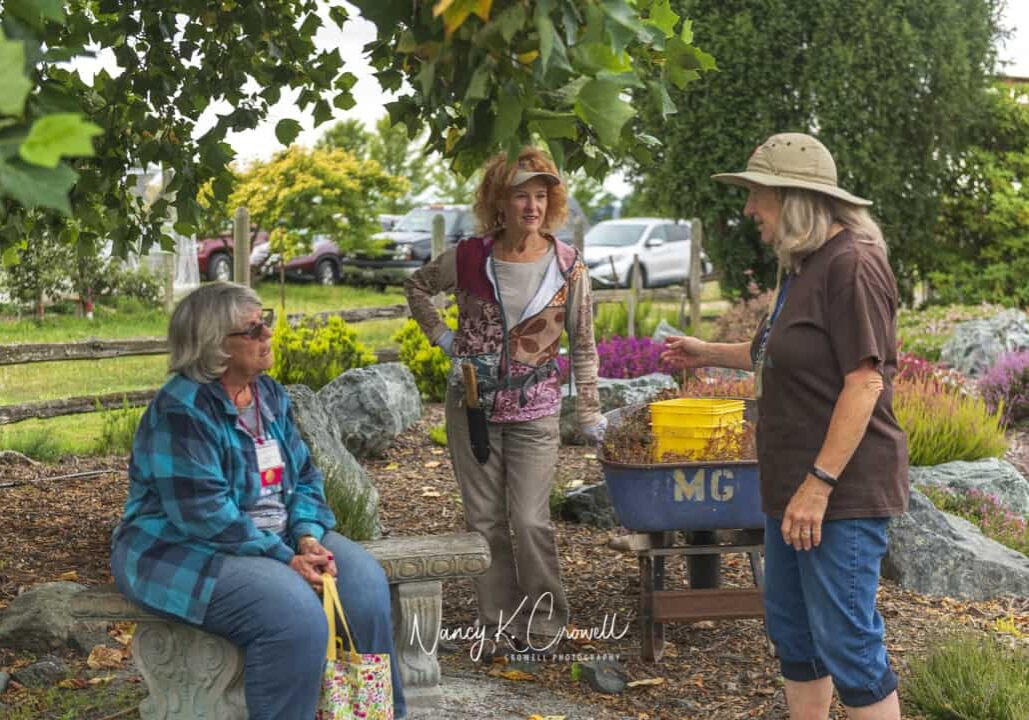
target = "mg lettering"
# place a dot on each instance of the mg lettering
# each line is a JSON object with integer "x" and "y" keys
{"x": 718, "y": 486}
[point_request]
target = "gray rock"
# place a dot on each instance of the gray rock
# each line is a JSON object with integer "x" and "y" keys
{"x": 43, "y": 673}
{"x": 934, "y": 553}
{"x": 614, "y": 393}
{"x": 975, "y": 345}
{"x": 589, "y": 505}
{"x": 39, "y": 620}
{"x": 665, "y": 329}
{"x": 372, "y": 406}
{"x": 341, "y": 470}
{"x": 604, "y": 676}
{"x": 4, "y": 679}
{"x": 991, "y": 476}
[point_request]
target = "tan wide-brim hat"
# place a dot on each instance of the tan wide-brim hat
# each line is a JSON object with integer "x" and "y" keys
{"x": 792, "y": 160}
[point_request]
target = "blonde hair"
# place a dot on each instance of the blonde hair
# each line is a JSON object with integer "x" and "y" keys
{"x": 496, "y": 184}
{"x": 200, "y": 324}
{"x": 805, "y": 220}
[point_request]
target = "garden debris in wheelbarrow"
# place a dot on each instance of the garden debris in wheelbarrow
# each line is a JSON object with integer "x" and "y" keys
{"x": 632, "y": 442}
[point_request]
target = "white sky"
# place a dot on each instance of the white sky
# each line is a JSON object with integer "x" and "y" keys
{"x": 260, "y": 143}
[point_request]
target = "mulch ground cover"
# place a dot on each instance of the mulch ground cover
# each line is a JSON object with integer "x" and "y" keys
{"x": 57, "y": 523}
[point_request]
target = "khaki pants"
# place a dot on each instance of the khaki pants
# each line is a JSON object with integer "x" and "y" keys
{"x": 511, "y": 494}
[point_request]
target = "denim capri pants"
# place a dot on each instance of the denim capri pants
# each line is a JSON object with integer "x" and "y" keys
{"x": 820, "y": 608}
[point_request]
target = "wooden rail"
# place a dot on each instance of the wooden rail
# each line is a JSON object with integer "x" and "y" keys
{"x": 90, "y": 403}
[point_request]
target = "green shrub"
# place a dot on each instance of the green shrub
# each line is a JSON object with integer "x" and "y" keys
{"x": 315, "y": 354}
{"x": 428, "y": 363}
{"x": 38, "y": 445}
{"x": 971, "y": 678}
{"x": 118, "y": 430}
{"x": 612, "y": 319}
{"x": 923, "y": 332}
{"x": 438, "y": 434}
{"x": 983, "y": 511}
{"x": 354, "y": 519}
{"x": 945, "y": 423}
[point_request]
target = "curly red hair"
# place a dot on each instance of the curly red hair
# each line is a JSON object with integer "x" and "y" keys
{"x": 496, "y": 184}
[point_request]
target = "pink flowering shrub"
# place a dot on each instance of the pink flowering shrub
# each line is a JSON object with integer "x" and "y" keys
{"x": 983, "y": 511}
{"x": 622, "y": 357}
{"x": 1007, "y": 385}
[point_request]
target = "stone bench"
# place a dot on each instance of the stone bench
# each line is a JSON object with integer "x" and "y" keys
{"x": 192, "y": 674}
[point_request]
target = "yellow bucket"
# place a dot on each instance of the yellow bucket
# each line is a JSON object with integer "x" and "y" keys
{"x": 687, "y": 424}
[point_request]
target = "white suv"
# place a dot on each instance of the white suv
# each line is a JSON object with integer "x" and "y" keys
{"x": 663, "y": 246}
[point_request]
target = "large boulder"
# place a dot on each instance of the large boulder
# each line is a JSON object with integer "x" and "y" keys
{"x": 934, "y": 553}
{"x": 975, "y": 345}
{"x": 344, "y": 476}
{"x": 614, "y": 393}
{"x": 39, "y": 620}
{"x": 589, "y": 505}
{"x": 372, "y": 406}
{"x": 991, "y": 476}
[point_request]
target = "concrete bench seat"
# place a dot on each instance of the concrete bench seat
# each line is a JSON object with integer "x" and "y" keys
{"x": 193, "y": 674}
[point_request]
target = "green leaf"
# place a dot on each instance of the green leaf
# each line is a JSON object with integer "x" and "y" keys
{"x": 625, "y": 15}
{"x": 34, "y": 11}
{"x": 687, "y": 32}
{"x": 287, "y": 130}
{"x": 14, "y": 86}
{"x": 59, "y": 135}
{"x": 600, "y": 106}
{"x": 509, "y": 22}
{"x": 11, "y": 256}
{"x": 591, "y": 58}
{"x": 322, "y": 112}
{"x": 478, "y": 86}
{"x": 559, "y": 127}
{"x": 545, "y": 28}
{"x": 663, "y": 17}
{"x": 661, "y": 99}
{"x": 34, "y": 186}
{"x": 509, "y": 117}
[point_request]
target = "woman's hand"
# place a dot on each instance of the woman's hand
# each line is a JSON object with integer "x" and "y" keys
{"x": 312, "y": 560}
{"x": 802, "y": 521}
{"x": 685, "y": 353}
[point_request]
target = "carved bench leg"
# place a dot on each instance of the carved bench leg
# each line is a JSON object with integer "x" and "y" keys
{"x": 189, "y": 673}
{"x": 417, "y": 613}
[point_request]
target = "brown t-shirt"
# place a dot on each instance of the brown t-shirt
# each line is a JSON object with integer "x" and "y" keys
{"x": 839, "y": 311}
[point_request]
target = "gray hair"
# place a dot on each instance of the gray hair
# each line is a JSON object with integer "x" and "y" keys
{"x": 200, "y": 324}
{"x": 805, "y": 218}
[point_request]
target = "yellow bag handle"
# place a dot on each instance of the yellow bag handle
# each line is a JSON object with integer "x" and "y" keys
{"x": 333, "y": 608}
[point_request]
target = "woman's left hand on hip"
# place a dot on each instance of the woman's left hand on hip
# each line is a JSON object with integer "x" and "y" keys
{"x": 802, "y": 521}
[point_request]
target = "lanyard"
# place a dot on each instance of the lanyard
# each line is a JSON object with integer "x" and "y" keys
{"x": 257, "y": 436}
{"x": 780, "y": 300}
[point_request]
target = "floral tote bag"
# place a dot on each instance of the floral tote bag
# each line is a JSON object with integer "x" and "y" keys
{"x": 355, "y": 686}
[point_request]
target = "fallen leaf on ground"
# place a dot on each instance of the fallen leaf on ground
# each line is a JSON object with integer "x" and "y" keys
{"x": 100, "y": 680}
{"x": 71, "y": 575}
{"x": 649, "y": 682}
{"x": 519, "y": 675}
{"x": 102, "y": 657}
{"x": 430, "y": 494}
{"x": 393, "y": 466}
{"x": 72, "y": 683}
{"x": 432, "y": 464}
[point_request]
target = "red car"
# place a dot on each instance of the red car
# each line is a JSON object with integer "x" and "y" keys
{"x": 214, "y": 255}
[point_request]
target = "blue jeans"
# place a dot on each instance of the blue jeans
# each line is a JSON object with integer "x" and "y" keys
{"x": 273, "y": 615}
{"x": 820, "y": 608}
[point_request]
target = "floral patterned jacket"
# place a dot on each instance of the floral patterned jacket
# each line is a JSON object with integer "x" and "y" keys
{"x": 519, "y": 359}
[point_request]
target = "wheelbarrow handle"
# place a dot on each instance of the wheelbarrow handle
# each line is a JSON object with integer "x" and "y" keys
{"x": 471, "y": 385}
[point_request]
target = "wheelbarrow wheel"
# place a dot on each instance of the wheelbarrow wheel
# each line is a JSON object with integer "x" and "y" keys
{"x": 652, "y": 575}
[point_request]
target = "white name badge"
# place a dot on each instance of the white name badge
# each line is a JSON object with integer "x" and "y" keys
{"x": 269, "y": 463}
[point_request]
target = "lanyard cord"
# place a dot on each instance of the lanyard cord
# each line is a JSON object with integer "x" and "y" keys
{"x": 780, "y": 300}
{"x": 257, "y": 436}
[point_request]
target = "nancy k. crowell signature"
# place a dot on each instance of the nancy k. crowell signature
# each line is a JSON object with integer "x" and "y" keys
{"x": 478, "y": 634}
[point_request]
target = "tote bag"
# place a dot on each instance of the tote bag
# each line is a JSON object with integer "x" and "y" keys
{"x": 354, "y": 686}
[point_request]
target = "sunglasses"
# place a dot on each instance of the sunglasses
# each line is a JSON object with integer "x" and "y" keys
{"x": 255, "y": 331}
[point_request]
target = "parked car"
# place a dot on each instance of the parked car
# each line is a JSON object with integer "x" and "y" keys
{"x": 323, "y": 263}
{"x": 214, "y": 254}
{"x": 662, "y": 244}
{"x": 408, "y": 245}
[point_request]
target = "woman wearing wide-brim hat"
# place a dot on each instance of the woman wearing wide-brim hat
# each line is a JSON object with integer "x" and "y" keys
{"x": 833, "y": 459}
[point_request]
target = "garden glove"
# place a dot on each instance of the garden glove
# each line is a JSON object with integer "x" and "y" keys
{"x": 445, "y": 342}
{"x": 594, "y": 434}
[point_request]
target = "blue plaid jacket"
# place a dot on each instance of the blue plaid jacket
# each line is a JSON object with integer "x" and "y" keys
{"x": 192, "y": 471}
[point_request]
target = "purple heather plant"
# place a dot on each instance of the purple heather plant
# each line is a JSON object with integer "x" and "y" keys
{"x": 1007, "y": 384}
{"x": 622, "y": 357}
{"x": 985, "y": 511}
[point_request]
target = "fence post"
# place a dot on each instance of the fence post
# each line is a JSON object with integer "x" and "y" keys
{"x": 168, "y": 263}
{"x": 438, "y": 241}
{"x": 634, "y": 293}
{"x": 241, "y": 246}
{"x": 696, "y": 288}
{"x": 579, "y": 236}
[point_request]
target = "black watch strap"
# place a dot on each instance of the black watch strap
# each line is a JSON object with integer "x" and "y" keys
{"x": 823, "y": 476}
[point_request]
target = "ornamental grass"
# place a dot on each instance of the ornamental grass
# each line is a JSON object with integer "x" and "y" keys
{"x": 944, "y": 423}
